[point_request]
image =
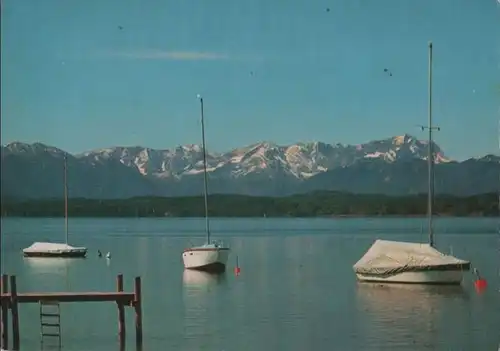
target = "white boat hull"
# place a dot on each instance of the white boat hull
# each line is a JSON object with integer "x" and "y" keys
{"x": 447, "y": 277}
{"x": 206, "y": 259}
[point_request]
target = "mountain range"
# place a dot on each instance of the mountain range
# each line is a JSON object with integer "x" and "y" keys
{"x": 392, "y": 166}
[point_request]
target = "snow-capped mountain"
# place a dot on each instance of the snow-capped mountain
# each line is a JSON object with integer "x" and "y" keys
{"x": 394, "y": 165}
{"x": 301, "y": 160}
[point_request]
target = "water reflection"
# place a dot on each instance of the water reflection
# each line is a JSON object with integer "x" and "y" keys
{"x": 51, "y": 345}
{"x": 412, "y": 313}
{"x": 44, "y": 265}
{"x": 202, "y": 305}
{"x": 195, "y": 281}
{"x": 46, "y": 273}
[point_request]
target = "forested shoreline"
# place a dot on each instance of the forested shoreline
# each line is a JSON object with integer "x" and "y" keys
{"x": 319, "y": 204}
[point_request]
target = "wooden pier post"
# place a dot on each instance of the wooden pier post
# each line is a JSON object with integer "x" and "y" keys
{"x": 15, "y": 314}
{"x": 138, "y": 311}
{"x": 5, "y": 313}
{"x": 121, "y": 310}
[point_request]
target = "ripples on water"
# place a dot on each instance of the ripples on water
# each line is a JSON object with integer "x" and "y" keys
{"x": 296, "y": 291}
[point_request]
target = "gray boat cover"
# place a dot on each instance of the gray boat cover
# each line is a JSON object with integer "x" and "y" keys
{"x": 387, "y": 257}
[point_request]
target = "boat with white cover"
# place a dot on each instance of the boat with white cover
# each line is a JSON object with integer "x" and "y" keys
{"x": 405, "y": 262}
{"x": 48, "y": 249}
{"x": 212, "y": 256}
{"x": 44, "y": 249}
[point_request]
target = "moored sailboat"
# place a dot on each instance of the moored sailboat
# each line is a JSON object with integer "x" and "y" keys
{"x": 212, "y": 256}
{"x": 48, "y": 249}
{"x": 418, "y": 263}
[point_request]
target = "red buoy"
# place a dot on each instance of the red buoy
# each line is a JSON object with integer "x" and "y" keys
{"x": 237, "y": 269}
{"x": 481, "y": 284}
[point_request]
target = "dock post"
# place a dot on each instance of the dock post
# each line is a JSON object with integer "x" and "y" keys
{"x": 138, "y": 311}
{"x": 121, "y": 310}
{"x": 5, "y": 313}
{"x": 15, "y": 315}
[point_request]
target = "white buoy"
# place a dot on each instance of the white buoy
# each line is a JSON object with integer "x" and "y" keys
{"x": 108, "y": 255}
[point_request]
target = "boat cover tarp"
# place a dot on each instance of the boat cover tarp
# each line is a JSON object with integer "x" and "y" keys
{"x": 387, "y": 257}
{"x": 51, "y": 248}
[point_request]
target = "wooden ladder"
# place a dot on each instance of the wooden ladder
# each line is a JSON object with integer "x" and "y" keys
{"x": 50, "y": 318}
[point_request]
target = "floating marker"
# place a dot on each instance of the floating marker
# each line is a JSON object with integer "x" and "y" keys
{"x": 480, "y": 284}
{"x": 237, "y": 269}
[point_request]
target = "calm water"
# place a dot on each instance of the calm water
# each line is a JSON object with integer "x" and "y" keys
{"x": 296, "y": 291}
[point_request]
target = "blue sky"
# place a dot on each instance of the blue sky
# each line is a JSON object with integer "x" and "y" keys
{"x": 71, "y": 78}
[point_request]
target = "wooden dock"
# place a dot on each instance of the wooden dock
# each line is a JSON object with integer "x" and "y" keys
{"x": 10, "y": 300}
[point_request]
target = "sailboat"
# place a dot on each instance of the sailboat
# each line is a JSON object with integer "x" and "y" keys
{"x": 48, "y": 249}
{"x": 213, "y": 255}
{"x": 405, "y": 262}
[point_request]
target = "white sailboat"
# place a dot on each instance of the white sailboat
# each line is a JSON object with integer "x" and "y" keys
{"x": 405, "y": 262}
{"x": 213, "y": 255}
{"x": 48, "y": 249}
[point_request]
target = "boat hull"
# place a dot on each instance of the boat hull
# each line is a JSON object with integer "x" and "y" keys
{"x": 209, "y": 259}
{"x": 443, "y": 277}
{"x": 68, "y": 254}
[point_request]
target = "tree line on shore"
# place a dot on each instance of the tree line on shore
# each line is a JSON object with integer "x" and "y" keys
{"x": 317, "y": 204}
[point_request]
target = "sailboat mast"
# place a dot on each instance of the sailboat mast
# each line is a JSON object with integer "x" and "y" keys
{"x": 66, "y": 197}
{"x": 205, "y": 179}
{"x": 430, "y": 158}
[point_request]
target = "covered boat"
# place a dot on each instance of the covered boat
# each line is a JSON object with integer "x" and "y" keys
{"x": 47, "y": 249}
{"x": 417, "y": 263}
{"x": 41, "y": 249}
{"x": 404, "y": 262}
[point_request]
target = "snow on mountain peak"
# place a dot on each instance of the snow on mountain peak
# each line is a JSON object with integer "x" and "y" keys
{"x": 301, "y": 160}
{"x": 192, "y": 148}
{"x": 402, "y": 139}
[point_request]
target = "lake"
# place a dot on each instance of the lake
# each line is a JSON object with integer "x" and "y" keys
{"x": 296, "y": 290}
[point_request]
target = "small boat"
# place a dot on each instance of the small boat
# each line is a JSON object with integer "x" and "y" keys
{"x": 209, "y": 257}
{"x": 44, "y": 249}
{"x": 405, "y": 262}
{"x": 212, "y": 256}
{"x": 47, "y": 249}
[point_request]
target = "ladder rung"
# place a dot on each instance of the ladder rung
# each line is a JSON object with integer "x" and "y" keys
{"x": 50, "y": 314}
{"x": 51, "y": 325}
{"x": 51, "y": 334}
{"x": 42, "y": 307}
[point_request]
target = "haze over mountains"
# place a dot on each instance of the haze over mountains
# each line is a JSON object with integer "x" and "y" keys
{"x": 393, "y": 166}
